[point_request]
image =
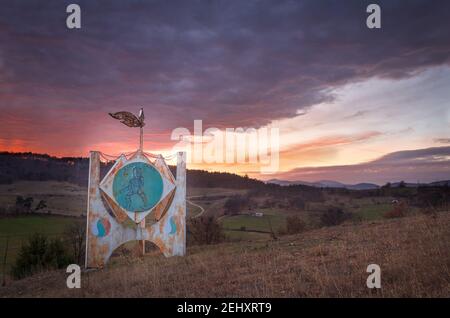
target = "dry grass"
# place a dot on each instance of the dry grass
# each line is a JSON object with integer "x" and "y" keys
{"x": 413, "y": 252}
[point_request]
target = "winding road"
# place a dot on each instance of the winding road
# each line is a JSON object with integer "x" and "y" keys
{"x": 202, "y": 210}
{"x": 202, "y": 196}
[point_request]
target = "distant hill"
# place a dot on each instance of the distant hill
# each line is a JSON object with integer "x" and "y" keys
{"x": 363, "y": 186}
{"x": 440, "y": 183}
{"x": 326, "y": 184}
{"x": 358, "y": 186}
{"x": 406, "y": 184}
{"x": 42, "y": 167}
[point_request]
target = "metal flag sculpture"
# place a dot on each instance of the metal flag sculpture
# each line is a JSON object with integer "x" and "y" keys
{"x": 138, "y": 187}
{"x": 131, "y": 120}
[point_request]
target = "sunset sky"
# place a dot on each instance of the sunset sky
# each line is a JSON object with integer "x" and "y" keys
{"x": 351, "y": 104}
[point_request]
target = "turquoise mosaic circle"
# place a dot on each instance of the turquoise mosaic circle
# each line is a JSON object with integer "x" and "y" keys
{"x": 137, "y": 187}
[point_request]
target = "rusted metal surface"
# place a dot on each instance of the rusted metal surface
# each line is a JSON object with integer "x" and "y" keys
{"x": 129, "y": 119}
{"x": 106, "y": 232}
{"x": 141, "y": 244}
{"x": 107, "y": 187}
{"x": 162, "y": 208}
{"x": 170, "y": 232}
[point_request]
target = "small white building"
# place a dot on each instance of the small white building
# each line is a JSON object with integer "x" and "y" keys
{"x": 258, "y": 214}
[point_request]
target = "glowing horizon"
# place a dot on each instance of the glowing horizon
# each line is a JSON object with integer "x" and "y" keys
{"x": 340, "y": 96}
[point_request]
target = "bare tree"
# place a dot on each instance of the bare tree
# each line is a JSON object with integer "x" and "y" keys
{"x": 75, "y": 235}
{"x": 205, "y": 230}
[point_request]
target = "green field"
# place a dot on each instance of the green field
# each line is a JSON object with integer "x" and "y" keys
{"x": 373, "y": 211}
{"x": 246, "y": 236}
{"x": 16, "y": 231}
{"x": 270, "y": 219}
{"x": 25, "y": 225}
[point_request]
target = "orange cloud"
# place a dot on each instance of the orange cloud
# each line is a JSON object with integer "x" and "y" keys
{"x": 319, "y": 151}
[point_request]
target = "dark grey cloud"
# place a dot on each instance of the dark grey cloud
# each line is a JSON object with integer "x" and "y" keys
{"x": 226, "y": 62}
{"x": 434, "y": 154}
{"x": 442, "y": 140}
{"x": 424, "y": 165}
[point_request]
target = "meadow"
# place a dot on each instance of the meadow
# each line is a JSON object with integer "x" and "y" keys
{"x": 413, "y": 253}
{"x": 14, "y": 232}
{"x": 66, "y": 204}
{"x": 256, "y": 257}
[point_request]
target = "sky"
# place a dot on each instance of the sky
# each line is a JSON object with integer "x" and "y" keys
{"x": 351, "y": 104}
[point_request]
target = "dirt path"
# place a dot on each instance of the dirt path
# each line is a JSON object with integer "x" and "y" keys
{"x": 202, "y": 196}
{"x": 202, "y": 210}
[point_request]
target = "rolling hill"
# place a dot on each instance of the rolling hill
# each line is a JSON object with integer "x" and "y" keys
{"x": 326, "y": 184}
{"x": 358, "y": 186}
{"x": 326, "y": 262}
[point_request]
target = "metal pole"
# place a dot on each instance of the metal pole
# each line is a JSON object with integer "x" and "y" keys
{"x": 141, "y": 244}
{"x": 141, "y": 139}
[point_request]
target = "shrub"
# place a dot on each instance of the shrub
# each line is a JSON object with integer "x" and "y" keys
{"x": 334, "y": 216}
{"x": 297, "y": 203}
{"x": 205, "y": 230}
{"x": 6, "y": 211}
{"x": 282, "y": 230}
{"x": 75, "y": 235}
{"x": 268, "y": 203}
{"x": 429, "y": 212}
{"x": 40, "y": 253}
{"x": 294, "y": 225}
{"x": 41, "y": 205}
{"x": 431, "y": 198}
{"x": 23, "y": 205}
{"x": 398, "y": 211}
{"x": 236, "y": 204}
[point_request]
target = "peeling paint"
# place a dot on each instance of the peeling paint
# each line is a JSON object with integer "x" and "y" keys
{"x": 112, "y": 232}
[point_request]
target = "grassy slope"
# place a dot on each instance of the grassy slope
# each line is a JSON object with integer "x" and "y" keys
{"x": 413, "y": 253}
{"x": 68, "y": 199}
